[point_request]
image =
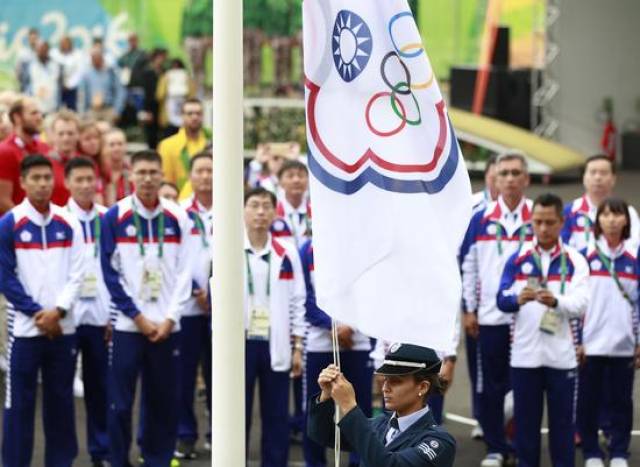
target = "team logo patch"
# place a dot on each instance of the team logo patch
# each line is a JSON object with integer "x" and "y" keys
{"x": 395, "y": 347}
{"x": 130, "y": 230}
{"x": 279, "y": 225}
{"x": 60, "y": 235}
{"x": 629, "y": 269}
{"x": 491, "y": 229}
{"x": 596, "y": 265}
{"x": 26, "y": 236}
{"x": 434, "y": 444}
{"x": 527, "y": 268}
{"x": 169, "y": 231}
{"x": 580, "y": 221}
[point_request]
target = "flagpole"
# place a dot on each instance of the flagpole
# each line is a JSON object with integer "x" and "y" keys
{"x": 228, "y": 399}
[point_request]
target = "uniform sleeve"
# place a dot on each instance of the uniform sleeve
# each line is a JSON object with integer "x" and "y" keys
{"x": 10, "y": 285}
{"x": 469, "y": 265}
{"x": 314, "y": 315}
{"x": 320, "y": 423}
{"x": 635, "y": 225}
{"x": 184, "y": 281}
{"x": 9, "y": 165}
{"x": 431, "y": 451}
{"x": 507, "y": 298}
{"x": 573, "y": 303}
{"x": 119, "y": 297}
{"x": 298, "y": 295}
{"x": 71, "y": 290}
{"x": 565, "y": 234}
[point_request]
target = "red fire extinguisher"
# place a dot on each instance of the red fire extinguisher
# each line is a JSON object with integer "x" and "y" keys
{"x": 609, "y": 131}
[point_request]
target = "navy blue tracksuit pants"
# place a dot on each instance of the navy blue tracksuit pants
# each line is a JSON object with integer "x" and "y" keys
{"x": 95, "y": 352}
{"x": 529, "y": 388}
{"x": 274, "y": 403}
{"x": 471, "y": 346}
{"x": 195, "y": 351}
{"x": 493, "y": 383}
{"x": 358, "y": 369}
{"x": 132, "y": 355}
{"x": 616, "y": 374}
{"x": 56, "y": 360}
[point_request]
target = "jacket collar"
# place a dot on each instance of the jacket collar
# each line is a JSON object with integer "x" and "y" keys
{"x": 80, "y": 213}
{"x": 419, "y": 426}
{"x": 35, "y": 216}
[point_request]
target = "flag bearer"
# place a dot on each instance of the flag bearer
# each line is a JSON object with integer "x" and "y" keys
{"x": 544, "y": 285}
{"x": 91, "y": 312}
{"x": 146, "y": 267}
{"x": 494, "y": 234}
{"x": 41, "y": 267}
{"x": 274, "y": 298}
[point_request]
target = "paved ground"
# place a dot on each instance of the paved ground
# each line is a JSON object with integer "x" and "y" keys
{"x": 457, "y": 402}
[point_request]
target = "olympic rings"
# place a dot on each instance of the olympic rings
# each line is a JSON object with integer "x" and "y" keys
{"x": 402, "y": 51}
{"x": 403, "y": 115}
{"x": 403, "y": 119}
{"x": 386, "y": 58}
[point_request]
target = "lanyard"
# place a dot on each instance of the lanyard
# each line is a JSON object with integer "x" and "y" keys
{"x": 250, "y": 285}
{"x": 563, "y": 269}
{"x": 610, "y": 265}
{"x": 201, "y": 228}
{"x": 160, "y": 237}
{"x": 96, "y": 232}
{"x": 587, "y": 227}
{"x": 522, "y": 233}
{"x": 294, "y": 230}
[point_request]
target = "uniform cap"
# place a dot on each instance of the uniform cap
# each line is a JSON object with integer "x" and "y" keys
{"x": 405, "y": 359}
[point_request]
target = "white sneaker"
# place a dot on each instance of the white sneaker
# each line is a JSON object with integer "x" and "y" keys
{"x": 492, "y": 460}
{"x": 619, "y": 462}
{"x": 594, "y": 462}
{"x": 477, "y": 432}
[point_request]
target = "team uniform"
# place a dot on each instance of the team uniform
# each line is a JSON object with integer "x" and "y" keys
{"x": 579, "y": 219}
{"x": 41, "y": 267}
{"x": 292, "y": 224}
{"x": 609, "y": 336}
{"x": 91, "y": 314}
{"x": 146, "y": 266}
{"x": 274, "y": 313}
{"x": 354, "y": 362}
{"x": 195, "y": 336}
{"x": 543, "y": 358}
{"x": 494, "y": 234}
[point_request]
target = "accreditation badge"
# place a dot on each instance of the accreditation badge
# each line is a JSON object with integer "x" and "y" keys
{"x": 89, "y": 287}
{"x": 533, "y": 282}
{"x": 550, "y": 322}
{"x": 151, "y": 281}
{"x": 259, "y": 324}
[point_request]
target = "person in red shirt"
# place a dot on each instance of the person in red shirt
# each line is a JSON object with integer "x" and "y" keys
{"x": 65, "y": 134}
{"x": 26, "y": 117}
{"x": 117, "y": 175}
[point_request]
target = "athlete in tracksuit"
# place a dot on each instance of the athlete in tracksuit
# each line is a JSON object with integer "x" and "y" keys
{"x": 274, "y": 313}
{"x": 91, "y": 314}
{"x": 544, "y": 285}
{"x": 610, "y": 338}
{"x": 146, "y": 266}
{"x": 195, "y": 324}
{"x": 354, "y": 357}
{"x": 41, "y": 269}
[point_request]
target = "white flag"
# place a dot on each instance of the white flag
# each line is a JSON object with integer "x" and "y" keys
{"x": 390, "y": 190}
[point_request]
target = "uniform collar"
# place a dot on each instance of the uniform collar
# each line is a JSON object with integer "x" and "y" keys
{"x": 284, "y": 208}
{"x": 143, "y": 211}
{"x": 197, "y": 206}
{"x": 34, "y": 215}
{"x": 555, "y": 251}
{"x": 80, "y": 213}
{"x": 604, "y": 247}
{"x": 263, "y": 251}
{"x": 405, "y": 422}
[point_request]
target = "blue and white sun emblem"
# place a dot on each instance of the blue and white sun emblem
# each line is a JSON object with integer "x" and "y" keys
{"x": 351, "y": 45}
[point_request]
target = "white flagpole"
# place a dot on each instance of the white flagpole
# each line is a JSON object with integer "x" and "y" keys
{"x": 227, "y": 414}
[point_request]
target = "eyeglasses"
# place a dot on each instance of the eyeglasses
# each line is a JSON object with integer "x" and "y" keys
{"x": 512, "y": 172}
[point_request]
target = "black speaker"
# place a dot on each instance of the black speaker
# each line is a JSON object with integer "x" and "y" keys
{"x": 631, "y": 150}
{"x": 501, "y": 55}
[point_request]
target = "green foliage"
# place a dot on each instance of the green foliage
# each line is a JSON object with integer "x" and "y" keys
{"x": 270, "y": 124}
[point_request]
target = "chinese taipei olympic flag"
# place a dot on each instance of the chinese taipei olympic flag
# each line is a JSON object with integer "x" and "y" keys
{"x": 390, "y": 190}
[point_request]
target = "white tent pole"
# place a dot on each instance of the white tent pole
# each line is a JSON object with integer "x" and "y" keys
{"x": 228, "y": 409}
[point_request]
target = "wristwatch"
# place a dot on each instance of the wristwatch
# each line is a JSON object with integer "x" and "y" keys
{"x": 61, "y": 311}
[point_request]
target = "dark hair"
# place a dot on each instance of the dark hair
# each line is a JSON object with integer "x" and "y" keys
{"x": 148, "y": 155}
{"x": 16, "y": 108}
{"x": 206, "y": 154}
{"x": 437, "y": 384}
{"x": 80, "y": 162}
{"x": 292, "y": 165}
{"x": 33, "y": 160}
{"x": 156, "y": 52}
{"x": 617, "y": 206}
{"x": 170, "y": 184}
{"x": 191, "y": 100}
{"x": 177, "y": 63}
{"x": 260, "y": 193}
{"x": 599, "y": 157}
{"x": 491, "y": 161}
{"x": 549, "y": 200}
